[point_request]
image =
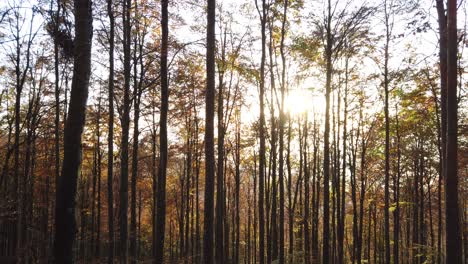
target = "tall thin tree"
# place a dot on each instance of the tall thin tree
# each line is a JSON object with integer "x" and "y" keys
{"x": 452, "y": 214}
{"x": 386, "y": 83}
{"x": 65, "y": 206}
{"x": 209, "y": 133}
{"x": 326, "y": 145}
{"x": 442, "y": 19}
{"x": 125, "y": 134}
{"x": 261, "y": 176}
{"x": 110, "y": 135}
{"x": 162, "y": 169}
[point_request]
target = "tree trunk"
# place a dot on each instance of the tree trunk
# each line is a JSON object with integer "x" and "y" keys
{"x": 261, "y": 175}
{"x": 387, "y": 142}
{"x": 57, "y": 102}
{"x": 442, "y": 19}
{"x": 209, "y": 134}
{"x": 237, "y": 191}
{"x": 452, "y": 214}
{"x": 341, "y": 225}
{"x": 65, "y": 206}
{"x": 326, "y": 145}
{"x": 110, "y": 136}
{"x": 162, "y": 169}
{"x": 220, "y": 200}
{"x": 396, "y": 213}
{"x": 123, "y": 217}
{"x": 281, "y": 136}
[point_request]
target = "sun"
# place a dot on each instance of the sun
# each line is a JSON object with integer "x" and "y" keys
{"x": 301, "y": 101}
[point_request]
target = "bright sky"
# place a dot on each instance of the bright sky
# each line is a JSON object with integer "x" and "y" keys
{"x": 422, "y": 46}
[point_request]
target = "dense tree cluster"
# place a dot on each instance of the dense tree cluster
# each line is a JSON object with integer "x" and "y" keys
{"x": 252, "y": 131}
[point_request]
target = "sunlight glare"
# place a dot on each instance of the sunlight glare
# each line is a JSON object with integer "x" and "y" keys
{"x": 300, "y": 101}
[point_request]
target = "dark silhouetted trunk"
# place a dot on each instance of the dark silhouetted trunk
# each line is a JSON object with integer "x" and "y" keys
{"x": 281, "y": 136}
{"x": 396, "y": 194}
{"x": 386, "y": 83}
{"x": 452, "y": 214}
{"x": 442, "y": 19}
{"x": 326, "y": 145}
{"x": 162, "y": 169}
{"x": 261, "y": 174}
{"x": 65, "y": 206}
{"x": 237, "y": 191}
{"x": 209, "y": 134}
{"x": 110, "y": 136}
{"x": 123, "y": 217}
{"x": 220, "y": 200}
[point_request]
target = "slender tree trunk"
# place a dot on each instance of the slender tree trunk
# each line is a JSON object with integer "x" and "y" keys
{"x": 271, "y": 205}
{"x": 93, "y": 198}
{"x": 57, "y": 101}
{"x": 162, "y": 169}
{"x": 452, "y": 214}
{"x": 362, "y": 195}
{"x": 237, "y": 179}
{"x": 133, "y": 206}
{"x": 290, "y": 198}
{"x": 315, "y": 197}
{"x": 396, "y": 213}
{"x": 19, "y": 181}
{"x": 326, "y": 146}
{"x": 443, "y": 115}
{"x": 220, "y": 200}
{"x": 65, "y": 206}
{"x": 187, "y": 190}
{"x": 341, "y": 224}
{"x": 137, "y": 91}
{"x": 197, "y": 190}
{"x": 110, "y": 136}
{"x": 387, "y": 140}
{"x": 261, "y": 175}
{"x": 353, "y": 183}
{"x": 209, "y": 134}
{"x": 99, "y": 174}
{"x": 306, "y": 193}
{"x": 123, "y": 217}
{"x": 281, "y": 136}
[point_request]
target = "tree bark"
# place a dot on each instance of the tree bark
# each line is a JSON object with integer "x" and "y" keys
{"x": 65, "y": 206}
{"x": 123, "y": 217}
{"x": 452, "y": 214}
{"x": 281, "y": 136}
{"x": 326, "y": 145}
{"x": 110, "y": 136}
{"x": 209, "y": 134}
{"x": 261, "y": 174}
{"x": 220, "y": 200}
{"x": 387, "y": 142}
{"x": 162, "y": 169}
{"x": 442, "y": 19}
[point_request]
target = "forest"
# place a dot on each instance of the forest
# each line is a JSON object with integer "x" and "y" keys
{"x": 234, "y": 131}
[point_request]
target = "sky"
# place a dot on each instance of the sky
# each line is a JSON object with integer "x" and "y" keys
{"x": 305, "y": 93}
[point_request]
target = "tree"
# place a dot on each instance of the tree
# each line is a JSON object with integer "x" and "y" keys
{"x": 326, "y": 135}
{"x": 161, "y": 184}
{"x": 281, "y": 133}
{"x": 65, "y": 206}
{"x": 442, "y": 19}
{"x": 386, "y": 82}
{"x": 220, "y": 199}
{"x": 452, "y": 223}
{"x": 261, "y": 181}
{"x": 125, "y": 120}
{"x": 209, "y": 134}
{"x": 110, "y": 135}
